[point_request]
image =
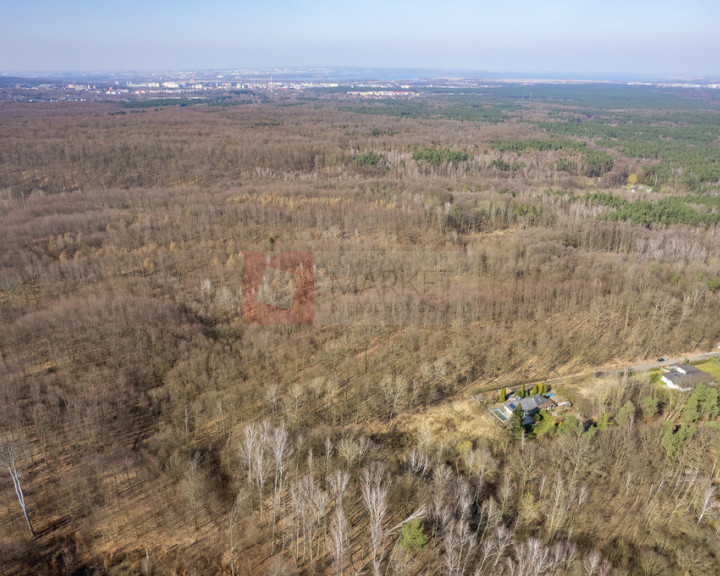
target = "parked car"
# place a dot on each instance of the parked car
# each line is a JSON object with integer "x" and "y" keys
{"x": 662, "y": 359}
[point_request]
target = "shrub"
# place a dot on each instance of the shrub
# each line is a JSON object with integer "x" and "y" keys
{"x": 368, "y": 159}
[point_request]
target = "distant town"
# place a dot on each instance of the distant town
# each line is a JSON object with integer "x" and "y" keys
{"x": 350, "y": 83}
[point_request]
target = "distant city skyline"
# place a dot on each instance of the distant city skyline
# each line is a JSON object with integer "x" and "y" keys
{"x": 557, "y": 37}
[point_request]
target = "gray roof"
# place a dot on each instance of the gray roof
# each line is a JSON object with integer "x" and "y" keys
{"x": 689, "y": 369}
{"x": 692, "y": 379}
{"x": 535, "y": 402}
{"x": 530, "y": 404}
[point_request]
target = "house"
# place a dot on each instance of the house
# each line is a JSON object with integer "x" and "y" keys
{"x": 530, "y": 405}
{"x": 686, "y": 377}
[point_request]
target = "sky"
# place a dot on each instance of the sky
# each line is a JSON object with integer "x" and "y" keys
{"x": 599, "y": 38}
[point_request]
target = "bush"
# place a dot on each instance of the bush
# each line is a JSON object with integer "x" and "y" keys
{"x": 439, "y": 156}
{"x": 368, "y": 159}
{"x": 564, "y": 165}
{"x": 713, "y": 284}
{"x": 503, "y": 166}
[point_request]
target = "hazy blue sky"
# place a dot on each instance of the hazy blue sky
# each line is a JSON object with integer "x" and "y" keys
{"x": 655, "y": 37}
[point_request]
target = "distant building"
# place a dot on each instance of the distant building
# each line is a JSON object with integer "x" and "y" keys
{"x": 686, "y": 377}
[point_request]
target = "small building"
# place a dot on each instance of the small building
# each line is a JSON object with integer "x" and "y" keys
{"x": 686, "y": 377}
{"x": 530, "y": 405}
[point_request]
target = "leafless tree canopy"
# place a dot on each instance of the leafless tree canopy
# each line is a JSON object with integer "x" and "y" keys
{"x": 144, "y": 427}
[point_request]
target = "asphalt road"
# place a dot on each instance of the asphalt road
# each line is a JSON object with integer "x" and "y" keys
{"x": 674, "y": 361}
{"x": 635, "y": 368}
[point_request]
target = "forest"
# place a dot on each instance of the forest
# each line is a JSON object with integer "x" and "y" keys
{"x": 146, "y": 428}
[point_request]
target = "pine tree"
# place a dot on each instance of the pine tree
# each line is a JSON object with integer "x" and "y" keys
{"x": 670, "y": 440}
{"x": 626, "y": 414}
{"x": 413, "y": 538}
{"x": 515, "y": 426}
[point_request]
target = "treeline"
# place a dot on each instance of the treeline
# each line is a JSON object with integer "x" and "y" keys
{"x": 541, "y": 145}
{"x": 439, "y": 156}
{"x": 685, "y": 156}
{"x": 593, "y": 162}
{"x": 158, "y": 102}
{"x": 668, "y": 211}
{"x": 442, "y": 107}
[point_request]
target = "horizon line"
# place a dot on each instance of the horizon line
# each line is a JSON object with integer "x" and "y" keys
{"x": 425, "y": 73}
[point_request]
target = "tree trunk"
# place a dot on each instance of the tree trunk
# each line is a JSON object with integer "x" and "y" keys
{"x": 21, "y": 497}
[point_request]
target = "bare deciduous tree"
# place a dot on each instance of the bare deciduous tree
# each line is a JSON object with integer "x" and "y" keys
{"x": 353, "y": 451}
{"x": 563, "y": 553}
{"x": 248, "y": 447}
{"x": 594, "y": 563}
{"x": 487, "y": 549}
{"x": 393, "y": 390}
{"x": 533, "y": 558}
{"x": 328, "y": 453}
{"x": 374, "y": 490}
{"x": 338, "y": 483}
{"x": 12, "y": 452}
{"x": 193, "y": 488}
{"x": 261, "y": 463}
{"x": 280, "y": 448}
{"x": 459, "y": 545}
{"x": 480, "y": 463}
{"x": 320, "y": 500}
{"x": 558, "y": 505}
{"x": 706, "y": 499}
{"x": 503, "y": 540}
{"x": 417, "y": 462}
{"x": 236, "y": 512}
{"x": 272, "y": 394}
{"x": 338, "y": 538}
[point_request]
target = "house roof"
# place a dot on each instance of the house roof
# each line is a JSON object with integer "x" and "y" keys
{"x": 690, "y": 379}
{"x": 530, "y": 403}
{"x": 536, "y": 402}
{"x": 686, "y": 369}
